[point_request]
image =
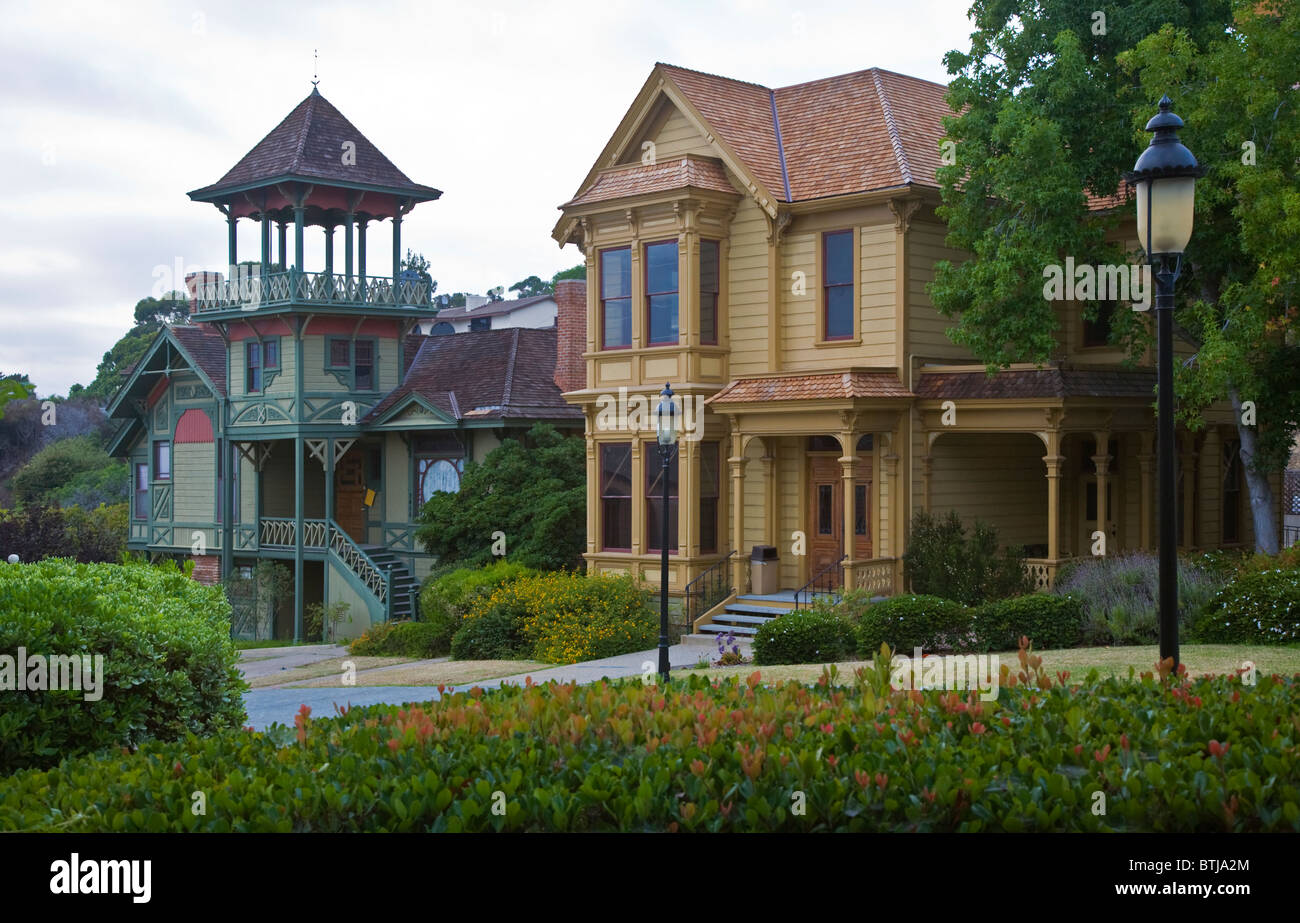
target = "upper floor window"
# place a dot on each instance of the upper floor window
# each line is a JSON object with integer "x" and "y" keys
{"x": 837, "y": 286}
{"x": 661, "y": 292}
{"x": 616, "y": 298}
{"x": 141, "y": 509}
{"x": 260, "y": 357}
{"x": 356, "y": 357}
{"x": 1097, "y": 332}
{"x": 162, "y": 460}
{"x": 709, "y": 288}
{"x": 480, "y": 323}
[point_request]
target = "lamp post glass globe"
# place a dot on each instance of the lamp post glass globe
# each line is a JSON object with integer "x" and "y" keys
{"x": 666, "y": 417}
{"x": 1165, "y": 177}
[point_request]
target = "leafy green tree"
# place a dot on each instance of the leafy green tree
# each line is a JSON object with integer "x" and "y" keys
{"x": 153, "y": 313}
{"x": 1052, "y": 101}
{"x": 533, "y": 490}
{"x": 575, "y": 272}
{"x": 57, "y": 466}
{"x": 415, "y": 262}
{"x": 1237, "y": 94}
{"x": 496, "y": 294}
{"x": 125, "y": 353}
{"x": 14, "y": 387}
{"x": 531, "y": 286}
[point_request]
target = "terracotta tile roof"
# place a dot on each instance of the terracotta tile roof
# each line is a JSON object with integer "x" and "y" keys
{"x": 206, "y": 348}
{"x": 1050, "y": 383}
{"x": 307, "y": 145}
{"x": 685, "y": 172}
{"x": 505, "y": 374}
{"x": 844, "y": 385}
{"x": 872, "y": 129}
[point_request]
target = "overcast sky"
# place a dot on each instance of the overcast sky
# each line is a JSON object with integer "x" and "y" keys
{"x": 113, "y": 111}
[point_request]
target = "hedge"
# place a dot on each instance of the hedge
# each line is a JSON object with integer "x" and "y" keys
{"x": 169, "y": 664}
{"x": 1173, "y": 755}
{"x": 1254, "y": 608}
{"x": 1050, "y": 621}
{"x": 907, "y": 622}
{"x": 444, "y": 599}
{"x": 816, "y": 635}
{"x": 400, "y": 639}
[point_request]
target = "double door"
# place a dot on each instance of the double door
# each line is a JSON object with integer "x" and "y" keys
{"x": 826, "y": 512}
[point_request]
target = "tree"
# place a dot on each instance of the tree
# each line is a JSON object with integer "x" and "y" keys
{"x": 14, "y": 387}
{"x": 125, "y": 353}
{"x": 533, "y": 491}
{"x": 574, "y": 272}
{"x": 59, "y": 466}
{"x": 496, "y": 294}
{"x": 1052, "y": 100}
{"x": 415, "y": 262}
{"x": 153, "y": 313}
{"x": 531, "y": 286}
{"x": 1237, "y": 94}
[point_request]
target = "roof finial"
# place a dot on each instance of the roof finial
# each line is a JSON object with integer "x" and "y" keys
{"x": 315, "y": 79}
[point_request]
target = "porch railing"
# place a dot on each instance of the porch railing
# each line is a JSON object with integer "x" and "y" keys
{"x": 280, "y": 533}
{"x": 1042, "y": 571}
{"x": 707, "y": 590}
{"x": 876, "y": 575}
{"x": 360, "y": 563}
{"x": 255, "y": 290}
{"x": 825, "y": 581}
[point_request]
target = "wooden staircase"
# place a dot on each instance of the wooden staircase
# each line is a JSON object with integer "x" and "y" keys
{"x": 746, "y": 614}
{"x": 406, "y": 589}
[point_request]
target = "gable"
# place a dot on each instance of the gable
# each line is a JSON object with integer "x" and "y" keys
{"x": 672, "y": 134}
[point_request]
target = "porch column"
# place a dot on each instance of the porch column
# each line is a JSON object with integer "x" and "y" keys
{"x": 1145, "y": 461}
{"x": 232, "y": 242}
{"x": 297, "y": 537}
{"x": 770, "y": 498}
{"x": 1053, "y": 462}
{"x": 896, "y": 508}
{"x": 927, "y": 468}
{"x": 1188, "y": 465}
{"x": 849, "y": 442}
{"x": 737, "y": 464}
{"x": 1102, "y": 463}
{"x": 329, "y": 483}
{"x": 347, "y": 245}
{"x": 283, "y": 240}
{"x": 329, "y": 250}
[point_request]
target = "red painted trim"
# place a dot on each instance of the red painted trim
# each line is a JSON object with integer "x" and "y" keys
{"x": 194, "y": 426}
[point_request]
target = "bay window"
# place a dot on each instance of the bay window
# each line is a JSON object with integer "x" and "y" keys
{"x": 661, "y": 292}
{"x": 616, "y": 496}
{"x": 616, "y": 298}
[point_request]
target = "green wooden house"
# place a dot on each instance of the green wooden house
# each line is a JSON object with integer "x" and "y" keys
{"x": 300, "y": 415}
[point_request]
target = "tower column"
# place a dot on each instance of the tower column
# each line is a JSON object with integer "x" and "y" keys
{"x": 361, "y": 251}
{"x": 283, "y": 241}
{"x": 347, "y": 246}
{"x": 298, "y": 212}
{"x": 232, "y": 240}
{"x": 329, "y": 250}
{"x": 397, "y": 251}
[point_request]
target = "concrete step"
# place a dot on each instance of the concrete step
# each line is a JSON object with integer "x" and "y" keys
{"x": 717, "y": 629}
{"x": 765, "y": 612}
{"x": 737, "y": 618}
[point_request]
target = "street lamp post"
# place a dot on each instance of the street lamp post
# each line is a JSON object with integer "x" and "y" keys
{"x": 1165, "y": 176}
{"x": 666, "y": 430}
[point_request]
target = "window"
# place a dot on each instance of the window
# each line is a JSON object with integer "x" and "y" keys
{"x": 837, "y": 287}
{"x": 480, "y": 323}
{"x": 709, "y": 288}
{"x": 141, "y": 510}
{"x": 709, "y": 491}
{"x": 654, "y": 503}
{"x": 438, "y": 475}
{"x": 356, "y": 359}
{"x": 1231, "y": 492}
{"x": 616, "y": 496}
{"x": 442, "y": 329}
{"x": 253, "y": 362}
{"x": 616, "y": 298}
{"x": 162, "y": 460}
{"x": 825, "y": 510}
{"x": 860, "y": 509}
{"x": 661, "y": 292}
{"x": 1097, "y": 332}
{"x": 363, "y": 365}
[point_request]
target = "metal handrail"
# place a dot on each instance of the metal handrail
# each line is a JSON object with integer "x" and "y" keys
{"x": 713, "y": 587}
{"x": 819, "y": 578}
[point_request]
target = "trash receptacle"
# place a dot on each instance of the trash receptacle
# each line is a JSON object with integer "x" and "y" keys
{"x": 764, "y": 570}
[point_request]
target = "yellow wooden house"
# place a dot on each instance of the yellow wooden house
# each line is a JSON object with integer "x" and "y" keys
{"x": 767, "y": 252}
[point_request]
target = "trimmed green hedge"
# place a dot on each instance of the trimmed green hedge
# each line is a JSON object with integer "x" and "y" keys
{"x": 1254, "y": 608}
{"x": 445, "y": 599}
{"x": 907, "y": 622}
{"x": 1169, "y": 756}
{"x": 814, "y": 635}
{"x": 169, "y": 664}
{"x": 1049, "y": 621}
{"x": 400, "y": 639}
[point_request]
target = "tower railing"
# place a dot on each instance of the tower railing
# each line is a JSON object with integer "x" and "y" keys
{"x": 253, "y": 291}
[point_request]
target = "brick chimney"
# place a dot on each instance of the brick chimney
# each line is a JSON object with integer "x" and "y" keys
{"x": 570, "y": 334}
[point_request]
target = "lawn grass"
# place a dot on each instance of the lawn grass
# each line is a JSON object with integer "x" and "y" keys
{"x": 255, "y": 645}
{"x": 446, "y": 672}
{"x": 1108, "y": 661}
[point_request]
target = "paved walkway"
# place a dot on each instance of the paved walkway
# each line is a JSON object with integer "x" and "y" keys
{"x": 270, "y": 706}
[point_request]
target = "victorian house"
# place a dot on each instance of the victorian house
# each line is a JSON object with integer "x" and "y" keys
{"x": 767, "y": 251}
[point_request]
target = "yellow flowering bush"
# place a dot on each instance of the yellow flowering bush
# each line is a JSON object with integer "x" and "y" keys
{"x": 560, "y": 617}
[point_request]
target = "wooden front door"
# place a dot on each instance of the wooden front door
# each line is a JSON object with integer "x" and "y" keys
{"x": 826, "y": 509}
{"x": 350, "y": 495}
